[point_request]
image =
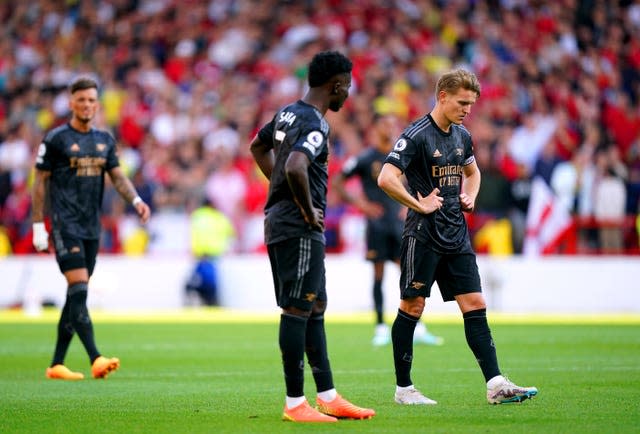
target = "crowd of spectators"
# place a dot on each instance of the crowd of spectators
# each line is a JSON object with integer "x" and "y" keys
{"x": 185, "y": 84}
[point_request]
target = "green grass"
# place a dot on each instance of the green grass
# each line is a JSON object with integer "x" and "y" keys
{"x": 210, "y": 377}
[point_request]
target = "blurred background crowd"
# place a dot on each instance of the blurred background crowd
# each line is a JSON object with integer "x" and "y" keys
{"x": 185, "y": 84}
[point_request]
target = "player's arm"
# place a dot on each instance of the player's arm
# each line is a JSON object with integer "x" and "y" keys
{"x": 125, "y": 188}
{"x": 297, "y": 172}
{"x": 470, "y": 186}
{"x": 369, "y": 209}
{"x": 390, "y": 180}
{"x": 38, "y": 195}
{"x": 263, "y": 155}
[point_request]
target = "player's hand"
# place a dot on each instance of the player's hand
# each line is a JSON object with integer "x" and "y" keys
{"x": 371, "y": 210}
{"x": 143, "y": 210}
{"x": 430, "y": 203}
{"x": 466, "y": 202}
{"x": 40, "y": 237}
{"x": 316, "y": 220}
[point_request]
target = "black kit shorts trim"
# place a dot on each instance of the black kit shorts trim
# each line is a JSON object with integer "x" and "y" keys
{"x": 298, "y": 270}
{"x": 455, "y": 273}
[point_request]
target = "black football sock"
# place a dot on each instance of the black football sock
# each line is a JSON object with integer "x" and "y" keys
{"x": 65, "y": 334}
{"x": 79, "y": 314}
{"x": 316, "y": 349}
{"x": 478, "y": 334}
{"x": 292, "y": 337}
{"x": 378, "y": 300}
{"x": 402, "y": 338}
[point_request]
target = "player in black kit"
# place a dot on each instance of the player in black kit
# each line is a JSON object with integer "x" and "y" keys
{"x": 292, "y": 151}
{"x": 70, "y": 168}
{"x": 435, "y": 153}
{"x": 385, "y": 218}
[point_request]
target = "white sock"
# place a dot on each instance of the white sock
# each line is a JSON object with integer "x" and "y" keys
{"x": 401, "y": 389}
{"x": 328, "y": 395}
{"x": 294, "y": 402}
{"x": 420, "y": 330}
{"x": 495, "y": 381}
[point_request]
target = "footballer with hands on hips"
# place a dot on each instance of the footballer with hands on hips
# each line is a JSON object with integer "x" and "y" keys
{"x": 435, "y": 153}
{"x": 69, "y": 175}
{"x": 292, "y": 151}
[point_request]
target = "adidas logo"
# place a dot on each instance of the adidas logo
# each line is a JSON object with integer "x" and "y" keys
{"x": 437, "y": 154}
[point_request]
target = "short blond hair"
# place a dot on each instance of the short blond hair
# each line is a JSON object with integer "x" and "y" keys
{"x": 456, "y": 79}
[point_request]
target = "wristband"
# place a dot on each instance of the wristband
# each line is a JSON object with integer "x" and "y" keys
{"x": 136, "y": 200}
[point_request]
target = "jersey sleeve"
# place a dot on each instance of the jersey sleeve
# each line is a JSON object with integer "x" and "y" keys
{"x": 266, "y": 133}
{"x": 402, "y": 153}
{"x": 46, "y": 153}
{"x": 350, "y": 167}
{"x": 468, "y": 150}
{"x": 311, "y": 143}
{"x": 112, "y": 155}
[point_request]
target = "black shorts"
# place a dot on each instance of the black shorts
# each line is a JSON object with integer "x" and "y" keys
{"x": 297, "y": 266}
{"x": 73, "y": 253}
{"x": 456, "y": 274}
{"x": 383, "y": 244}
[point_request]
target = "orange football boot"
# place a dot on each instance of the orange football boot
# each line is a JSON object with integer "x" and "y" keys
{"x": 61, "y": 372}
{"x": 102, "y": 366}
{"x": 305, "y": 413}
{"x": 341, "y": 408}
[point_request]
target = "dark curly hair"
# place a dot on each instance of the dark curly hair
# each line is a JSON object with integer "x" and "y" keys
{"x": 325, "y": 65}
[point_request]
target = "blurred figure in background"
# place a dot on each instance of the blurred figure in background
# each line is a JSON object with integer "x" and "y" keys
{"x": 212, "y": 235}
{"x": 70, "y": 167}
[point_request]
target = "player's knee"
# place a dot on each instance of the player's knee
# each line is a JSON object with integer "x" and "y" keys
{"x": 413, "y": 306}
{"x": 471, "y": 301}
{"x": 294, "y": 311}
{"x": 319, "y": 307}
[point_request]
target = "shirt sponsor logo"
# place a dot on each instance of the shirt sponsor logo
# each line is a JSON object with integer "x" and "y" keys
{"x": 88, "y": 166}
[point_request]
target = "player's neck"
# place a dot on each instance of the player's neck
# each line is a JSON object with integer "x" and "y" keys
{"x": 317, "y": 100}
{"x": 83, "y": 127}
{"x": 440, "y": 119}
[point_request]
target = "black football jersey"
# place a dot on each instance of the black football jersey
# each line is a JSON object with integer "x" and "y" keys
{"x": 77, "y": 162}
{"x": 431, "y": 158}
{"x": 367, "y": 166}
{"x": 298, "y": 127}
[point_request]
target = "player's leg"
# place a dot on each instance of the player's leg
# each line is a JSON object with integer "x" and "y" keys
{"x": 57, "y": 370}
{"x": 417, "y": 270}
{"x": 64, "y": 336}
{"x": 289, "y": 264}
{"x": 376, "y": 239}
{"x": 382, "y": 334}
{"x": 78, "y": 260}
{"x": 65, "y": 330}
{"x": 461, "y": 280}
{"x": 328, "y": 400}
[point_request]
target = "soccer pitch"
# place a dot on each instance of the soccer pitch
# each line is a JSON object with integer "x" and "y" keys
{"x": 207, "y": 371}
